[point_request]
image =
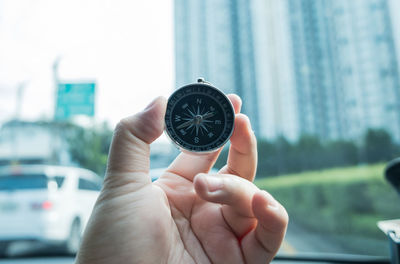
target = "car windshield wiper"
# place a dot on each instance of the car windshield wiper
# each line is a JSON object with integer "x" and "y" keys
{"x": 331, "y": 258}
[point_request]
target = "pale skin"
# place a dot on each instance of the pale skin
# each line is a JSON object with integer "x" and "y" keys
{"x": 187, "y": 215}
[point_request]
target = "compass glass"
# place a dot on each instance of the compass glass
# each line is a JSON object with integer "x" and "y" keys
{"x": 199, "y": 118}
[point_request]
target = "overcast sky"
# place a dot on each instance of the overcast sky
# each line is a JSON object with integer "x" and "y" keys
{"x": 126, "y": 46}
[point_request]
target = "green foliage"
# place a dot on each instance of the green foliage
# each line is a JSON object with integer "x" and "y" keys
{"x": 89, "y": 147}
{"x": 378, "y": 146}
{"x": 310, "y": 153}
{"x": 343, "y": 201}
{"x": 341, "y": 152}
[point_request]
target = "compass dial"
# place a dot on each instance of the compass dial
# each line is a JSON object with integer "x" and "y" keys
{"x": 199, "y": 117}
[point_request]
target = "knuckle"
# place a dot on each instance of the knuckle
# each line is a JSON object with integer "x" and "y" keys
{"x": 282, "y": 220}
{"x": 120, "y": 128}
{"x": 122, "y": 125}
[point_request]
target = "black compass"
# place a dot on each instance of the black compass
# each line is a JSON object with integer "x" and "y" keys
{"x": 199, "y": 117}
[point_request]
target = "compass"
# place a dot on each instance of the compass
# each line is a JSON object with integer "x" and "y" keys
{"x": 199, "y": 117}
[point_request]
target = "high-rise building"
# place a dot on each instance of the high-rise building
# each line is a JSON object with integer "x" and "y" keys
{"x": 213, "y": 39}
{"x": 394, "y": 7}
{"x": 274, "y": 69}
{"x": 346, "y": 70}
{"x": 318, "y": 90}
{"x": 326, "y": 68}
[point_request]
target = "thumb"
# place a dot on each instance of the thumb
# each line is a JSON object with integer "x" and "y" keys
{"x": 129, "y": 157}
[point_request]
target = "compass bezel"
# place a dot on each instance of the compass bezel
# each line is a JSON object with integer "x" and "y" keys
{"x": 228, "y": 111}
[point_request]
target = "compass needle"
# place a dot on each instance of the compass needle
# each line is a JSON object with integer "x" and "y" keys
{"x": 201, "y": 131}
{"x": 207, "y": 115}
{"x": 204, "y": 127}
{"x": 193, "y": 115}
{"x": 188, "y": 115}
{"x": 187, "y": 123}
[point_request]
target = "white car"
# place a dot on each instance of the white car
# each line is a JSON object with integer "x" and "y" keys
{"x": 45, "y": 204}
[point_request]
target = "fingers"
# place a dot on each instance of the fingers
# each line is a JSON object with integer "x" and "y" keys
{"x": 247, "y": 210}
{"x": 130, "y": 150}
{"x": 262, "y": 243}
{"x": 242, "y": 158}
{"x": 188, "y": 165}
{"x": 235, "y": 193}
{"x": 228, "y": 190}
{"x": 236, "y": 102}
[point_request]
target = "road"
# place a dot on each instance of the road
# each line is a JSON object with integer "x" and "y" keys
{"x": 22, "y": 253}
{"x": 297, "y": 240}
{"x": 37, "y": 260}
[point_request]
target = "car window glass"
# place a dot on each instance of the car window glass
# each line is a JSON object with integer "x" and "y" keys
{"x": 97, "y": 186}
{"x": 22, "y": 182}
{"x": 85, "y": 184}
{"x": 59, "y": 180}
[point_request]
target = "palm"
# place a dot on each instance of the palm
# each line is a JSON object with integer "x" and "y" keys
{"x": 204, "y": 234}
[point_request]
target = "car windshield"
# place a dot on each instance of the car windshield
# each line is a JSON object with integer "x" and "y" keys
{"x": 318, "y": 79}
{"x": 23, "y": 182}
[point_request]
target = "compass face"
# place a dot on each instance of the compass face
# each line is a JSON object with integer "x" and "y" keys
{"x": 199, "y": 118}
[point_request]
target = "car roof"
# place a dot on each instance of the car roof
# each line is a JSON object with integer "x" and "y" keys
{"x": 43, "y": 169}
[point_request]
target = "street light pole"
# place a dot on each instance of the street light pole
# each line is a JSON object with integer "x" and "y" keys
{"x": 20, "y": 93}
{"x": 56, "y": 64}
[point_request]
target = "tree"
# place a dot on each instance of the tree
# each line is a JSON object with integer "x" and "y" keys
{"x": 267, "y": 157}
{"x": 341, "y": 153}
{"x": 89, "y": 146}
{"x": 310, "y": 152}
{"x": 378, "y": 146}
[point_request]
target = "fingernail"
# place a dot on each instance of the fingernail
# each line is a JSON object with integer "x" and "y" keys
{"x": 272, "y": 203}
{"x": 214, "y": 183}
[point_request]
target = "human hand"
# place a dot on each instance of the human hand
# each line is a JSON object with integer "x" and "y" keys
{"x": 187, "y": 215}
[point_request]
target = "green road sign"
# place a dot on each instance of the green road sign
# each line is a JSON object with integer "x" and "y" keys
{"x": 75, "y": 99}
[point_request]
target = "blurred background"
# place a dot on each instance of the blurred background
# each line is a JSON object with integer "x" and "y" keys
{"x": 320, "y": 81}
